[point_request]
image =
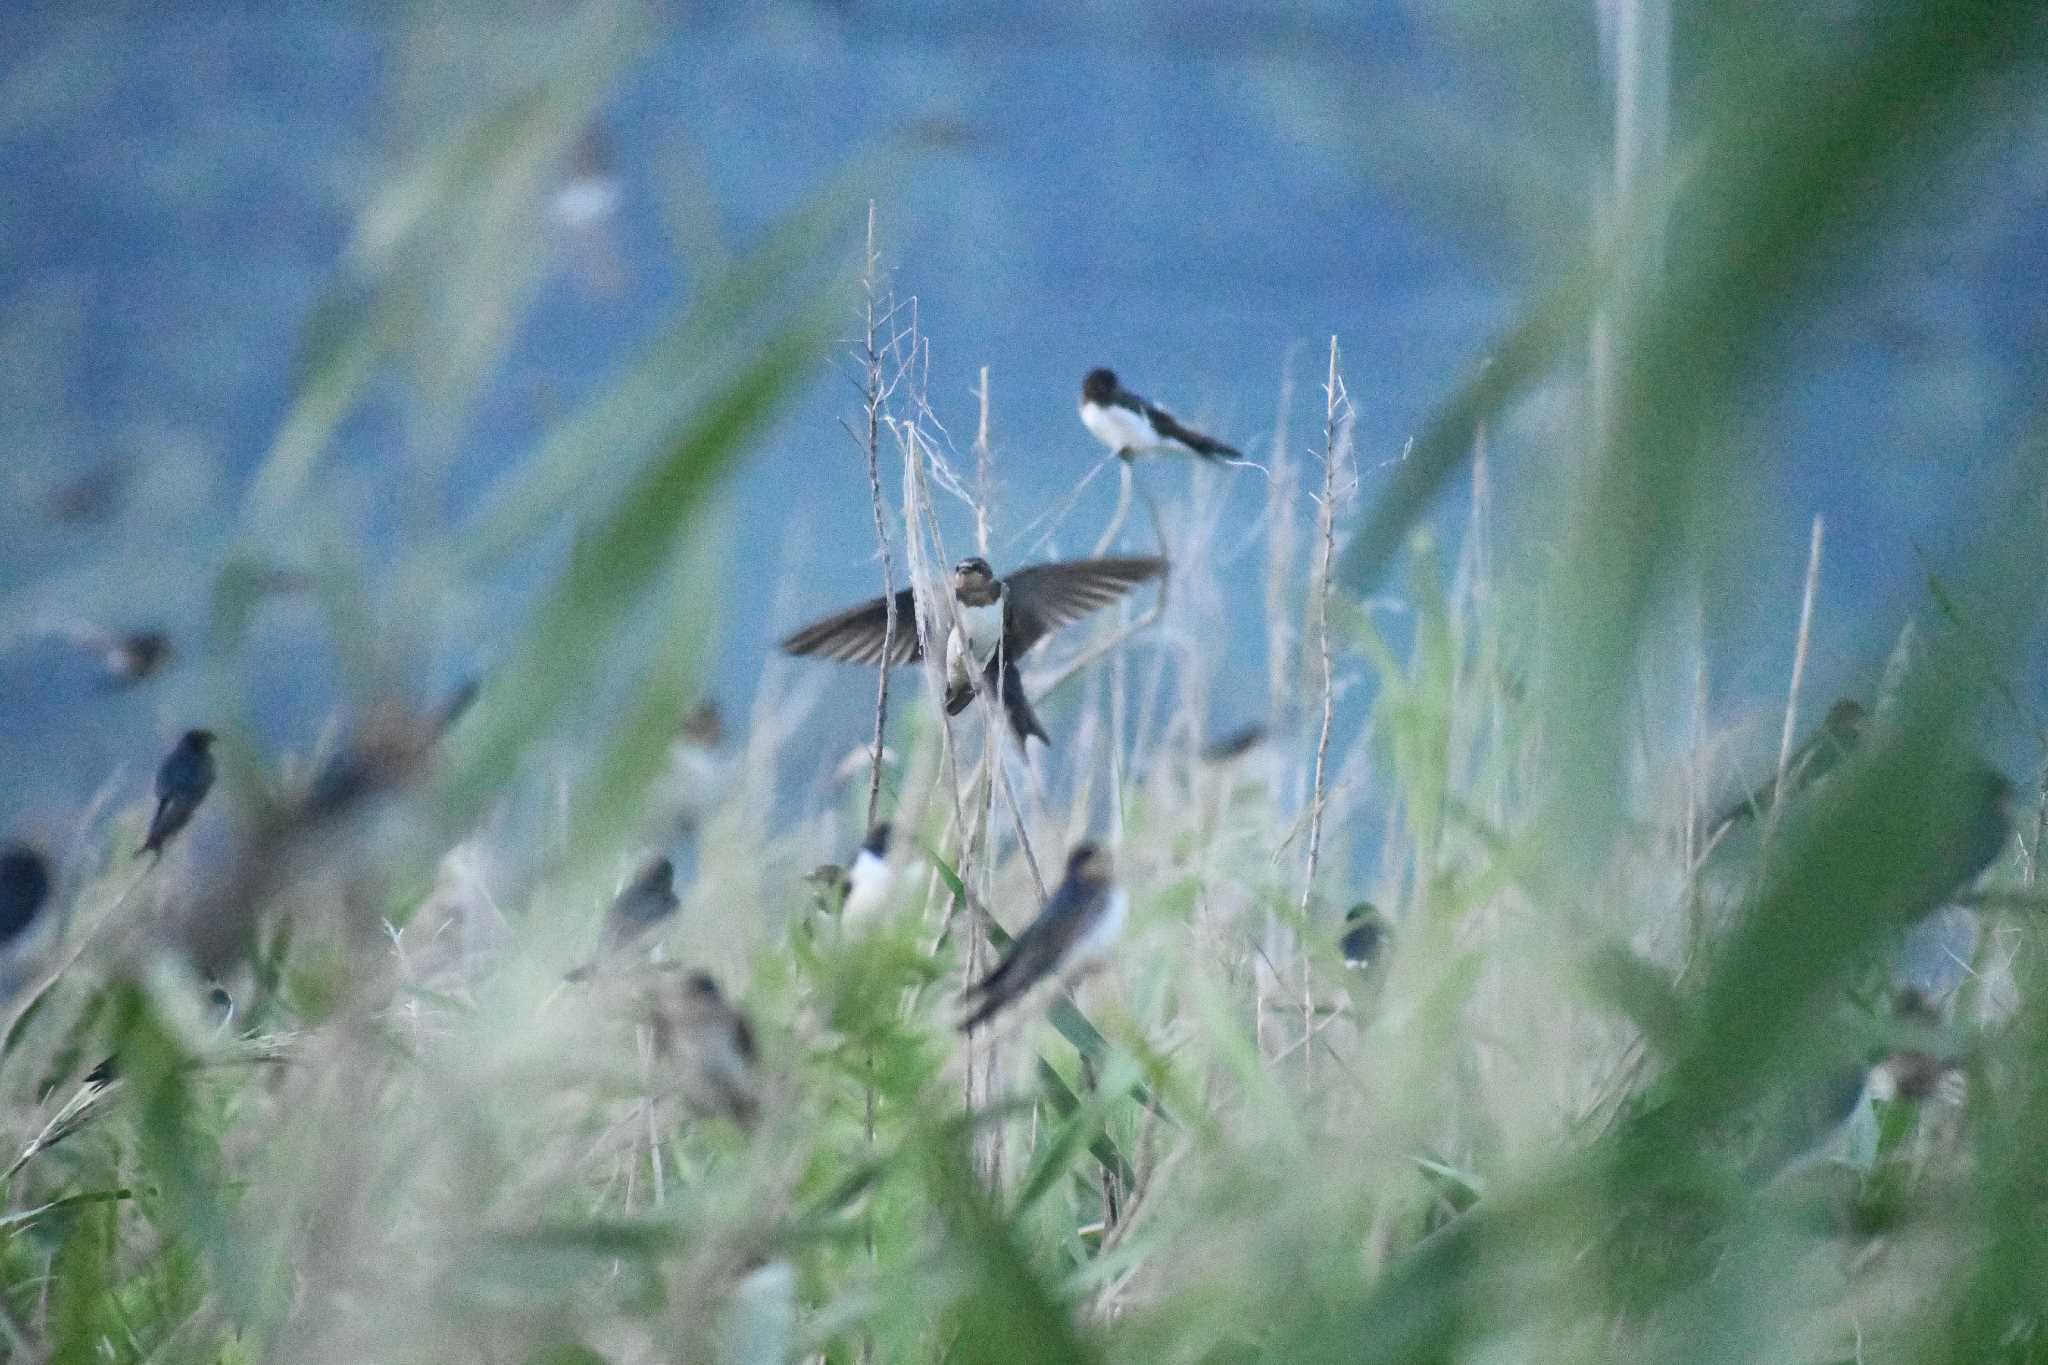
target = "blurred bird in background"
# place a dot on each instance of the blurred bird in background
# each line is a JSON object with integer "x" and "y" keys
{"x": 182, "y": 782}
{"x": 641, "y": 905}
{"x": 709, "y": 1044}
{"x": 1071, "y": 936}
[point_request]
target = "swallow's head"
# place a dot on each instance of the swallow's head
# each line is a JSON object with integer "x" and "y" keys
{"x": 1099, "y": 386}
{"x": 199, "y": 741}
{"x": 877, "y": 841}
{"x": 973, "y": 578}
{"x": 1088, "y": 862}
{"x": 659, "y": 872}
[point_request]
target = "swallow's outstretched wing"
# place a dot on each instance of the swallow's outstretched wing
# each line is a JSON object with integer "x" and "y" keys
{"x": 857, "y": 635}
{"x": 1042, "y": 598}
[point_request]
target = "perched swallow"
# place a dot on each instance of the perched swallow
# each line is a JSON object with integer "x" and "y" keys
{"x": 1130, "y": 426}
{"x": 1364, "y": 934}
{"x": 999, "y": 620}
{"x": 181, "y": 784}
{"x": 1820, "y": 755}
{"x": 644, "y": 902}
{"x": 711, "y": 1044}
{"x": 870, "y": 881}
{"x": 24, "y": 889}
{"x": 1070, "y": 936}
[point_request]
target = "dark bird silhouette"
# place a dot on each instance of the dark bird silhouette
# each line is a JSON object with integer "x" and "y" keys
{"x": 24, "y": 890}
{"x": 1236, "y": 744}
{"x": 1130, "y": 426}
{"x": 711, "y": 1045}
{"x": 182, "y": 782}
{"x": 1822, "y": 752}
{"x": 1071, "y": 935}
{"x": 1364, "y": 934}
{"x": 999, "y": 621}
{"x": 641, "y": 904}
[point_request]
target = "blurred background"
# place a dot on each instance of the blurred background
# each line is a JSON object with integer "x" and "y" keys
{"x": 1686, "y": 361}
{"x": 1198, "y": 195}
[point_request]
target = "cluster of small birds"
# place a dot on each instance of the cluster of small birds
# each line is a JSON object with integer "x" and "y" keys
{"x": 988, "y": 623}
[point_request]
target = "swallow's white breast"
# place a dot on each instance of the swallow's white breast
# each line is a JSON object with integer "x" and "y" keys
{"x": 1094, "y": 945}
{"x": 1118, "y": 427}
{"x": 869, "y": 882}
{"x": 984, "y": 629}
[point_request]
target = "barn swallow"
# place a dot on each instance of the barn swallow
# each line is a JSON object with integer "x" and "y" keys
{"x": 1070, "y": 936}
{"x": 1130, "y": 426}
{"x": 182, "y": 782}
{"x": 870, "y": 881}
{"x": 710, "y": 1043}
{"x": 999, "y": 620}
{"x": 1364, "y": 934}
{"x": 1839, "y": 734}
{"x": 861, "y": 888}
{"x": 24, "y": 888}
{"x": 644, "y": 902}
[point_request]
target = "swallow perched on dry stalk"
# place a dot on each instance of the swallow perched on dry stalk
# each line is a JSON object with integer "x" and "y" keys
{"x": 182, "y": 781}
{"x": 870, "y": 881}
{"x": 641, "y": 904}
{"x": 998, "y": 621}
{"x": 1365, "y": 933}
{"x": 1070, "y": 937}
{"x": 1130, "y": 426}
{"x": 710, "y": 1044}
{"x": 24, "y": 890}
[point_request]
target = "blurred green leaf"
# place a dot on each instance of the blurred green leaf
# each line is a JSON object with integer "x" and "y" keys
{"x": 1007, "y": 1302}
{"x": 590, "y": 601}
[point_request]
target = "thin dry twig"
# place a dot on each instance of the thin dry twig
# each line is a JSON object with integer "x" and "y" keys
{"x": 875, "y": 395}
{"x": 1799, "y": 652}
{"x": 1336, "y": 434}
